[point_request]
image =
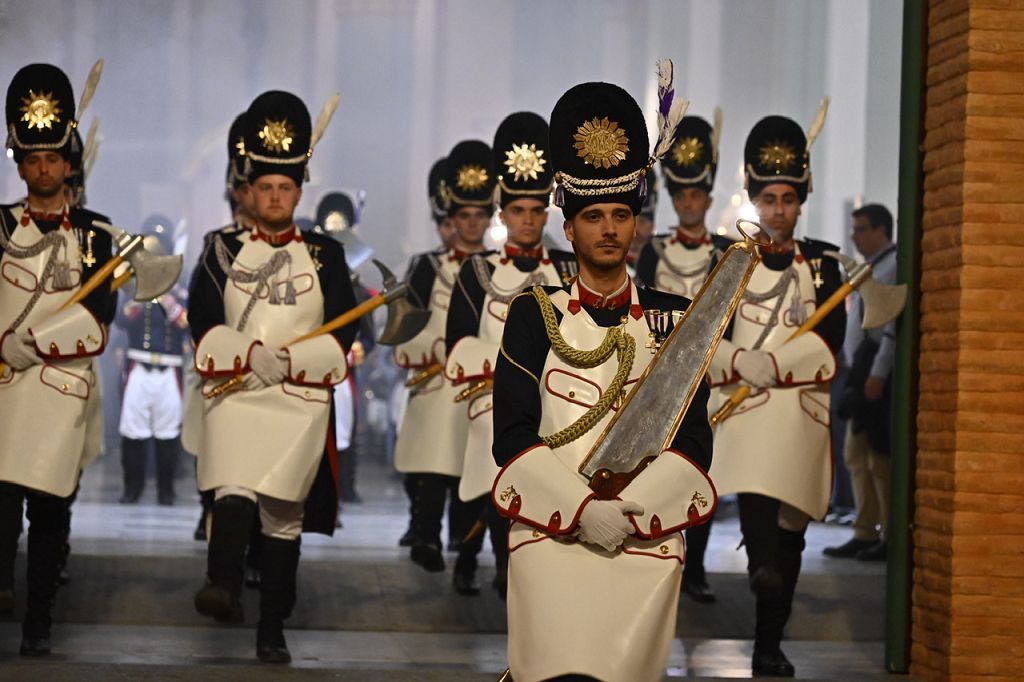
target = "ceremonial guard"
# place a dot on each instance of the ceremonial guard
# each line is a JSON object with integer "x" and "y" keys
{"x": 337, "y": 215}
{"x": 438, "y": 204}
{"x": 679, "y": 262}
{"x": 48, "y": 250}
{"x": 775, "y": 448}
{"x": 255, "y": 291}
{"x": 644, "y": 222}
{"x": 593, "y": 583}
{"x": 432, "y": 438}
{"x": 240, "y": 201}
{"x": 476, "y": 319}
{"x": 151, "y": 405}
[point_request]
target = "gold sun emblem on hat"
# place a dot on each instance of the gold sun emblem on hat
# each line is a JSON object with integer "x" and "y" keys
{"x": 40, "y": 110}
{"x": 601, "y": 143}
{"x": 240, "y": 146}
{"x": 335, "y": 222}
{"x": 277, "y": 135}
{"x": 525, "y": 161}
{"x": 688, "y": 152}
{"x": 778, "y": 155}
{"x": 471, "y": 178}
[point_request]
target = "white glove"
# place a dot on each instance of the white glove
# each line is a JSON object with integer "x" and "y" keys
{"x": 756, "y": 367}
{"x": 271, "y": 366}
{"x": 252, "y": 382}
{"x": 19, "y": 351}
{"x": 604, "y": 522}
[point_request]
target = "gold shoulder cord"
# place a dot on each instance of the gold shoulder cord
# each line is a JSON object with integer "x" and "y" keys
{"x": 616, "y": 340}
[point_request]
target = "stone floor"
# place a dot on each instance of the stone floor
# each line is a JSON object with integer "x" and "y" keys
{"x": 367, "y": 613}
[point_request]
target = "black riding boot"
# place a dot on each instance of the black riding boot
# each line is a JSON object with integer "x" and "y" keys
{"x": 167, "y": 455}
{"x": 498, "y": 527}
{"x": 409, "y": 484}
{"x": 280, "y": 562}
{"x": 695, "y": 581}
{"x": 773, "y": 612}
{"x": 225, "y": 560}
{"x": 253, "y": 556}
{"x": 471, "y": 513}
{"x": 759, "y": 523}
{"x": 133, "y": 462}
{"x": 11, "y": 510}
{"x": 429, "y": 503}
{"x": 47, "y": 519}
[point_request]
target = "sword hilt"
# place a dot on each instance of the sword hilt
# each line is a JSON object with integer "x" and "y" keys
{"x": 423, "y": 375}
{"x": 473, "y": 389}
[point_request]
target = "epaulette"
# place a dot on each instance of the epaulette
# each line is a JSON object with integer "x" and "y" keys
{"x": 815, "y": 247}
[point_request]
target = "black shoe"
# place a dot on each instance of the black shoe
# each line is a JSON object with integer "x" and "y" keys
{"x": 466, "y": 584}
{"x": 6, "y": 601}
{"x": 700, "y": 592}
{"x": 252, "y": 578}
{"x": 130, "y": 498}
{"x": 351, "y": 498}
{"x": 500, "y": 585}
{"x": 428, "y": 555}
{"x": 849, "y": 549}
{"x": 271, "y": 646}
{"x": 35, "y": 646}
{"x": 765, "y": 581}
{"x": 408, "y": 539}
{"x": 200, "y": 533}
{"x": 772, "y": 664}
{"x": 165, "y": 499}
{"x": 218, "y": 603}
{"x": 877, "y": 552}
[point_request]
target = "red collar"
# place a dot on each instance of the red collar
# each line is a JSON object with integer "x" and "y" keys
{"x": 457, "y": 255}
{"x": 618, "y": 299}
{"x": 276, "y": 239}
{"x": 684, "y": 238}
{"x": 513, "y": 251}
{"x": 45, "y": 217}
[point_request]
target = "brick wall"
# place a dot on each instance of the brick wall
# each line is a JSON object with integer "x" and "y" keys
{"x": 968, "y": 599}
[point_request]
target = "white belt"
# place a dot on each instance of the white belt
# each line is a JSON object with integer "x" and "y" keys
{"x": 150, "y": 358}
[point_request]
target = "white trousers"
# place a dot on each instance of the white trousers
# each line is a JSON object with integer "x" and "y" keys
{"x": 281, "y": 519}
{"x": 151, "y": 407}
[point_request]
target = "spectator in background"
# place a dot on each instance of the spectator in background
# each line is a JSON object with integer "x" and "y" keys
{"x": 867, "y": 398}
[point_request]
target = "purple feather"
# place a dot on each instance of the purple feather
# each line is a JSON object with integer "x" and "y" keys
{"x": 666, "y": 103}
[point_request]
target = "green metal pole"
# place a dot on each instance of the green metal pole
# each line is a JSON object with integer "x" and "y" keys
{"x": 905, "y": 384}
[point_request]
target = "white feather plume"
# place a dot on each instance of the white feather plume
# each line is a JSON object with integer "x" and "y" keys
{"x": 716, "y": 132}
{"x": 667, "y": 121}
{"x": 324, "y": 119}
{"x": 90, "y": 87}
{"x": 819, "y": 122}
{"x": 90, "y": 147}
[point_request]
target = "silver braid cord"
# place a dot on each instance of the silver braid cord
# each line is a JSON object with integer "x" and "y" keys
{"x": 446, "y": 282}
{"x": 659, "y": 248}
{"x": 501, "y": 295}
{"x": 777, "y": 292}
{"x": 260, "y": 276}
{"x": 50, "y": 240}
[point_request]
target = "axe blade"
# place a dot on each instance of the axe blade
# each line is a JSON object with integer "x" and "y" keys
{"x": 882, "y": 302}
{"x": 405, "y": 321}
{"x": 154, "y": 274}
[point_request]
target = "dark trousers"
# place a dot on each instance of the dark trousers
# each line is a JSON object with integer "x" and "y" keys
{"x": 430, "y": 493}
{"x": 481, "y": 510}
{"x": 47, "y": 521}
{"x": 770, "y": 548}
{"x": 696, "y": 546}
